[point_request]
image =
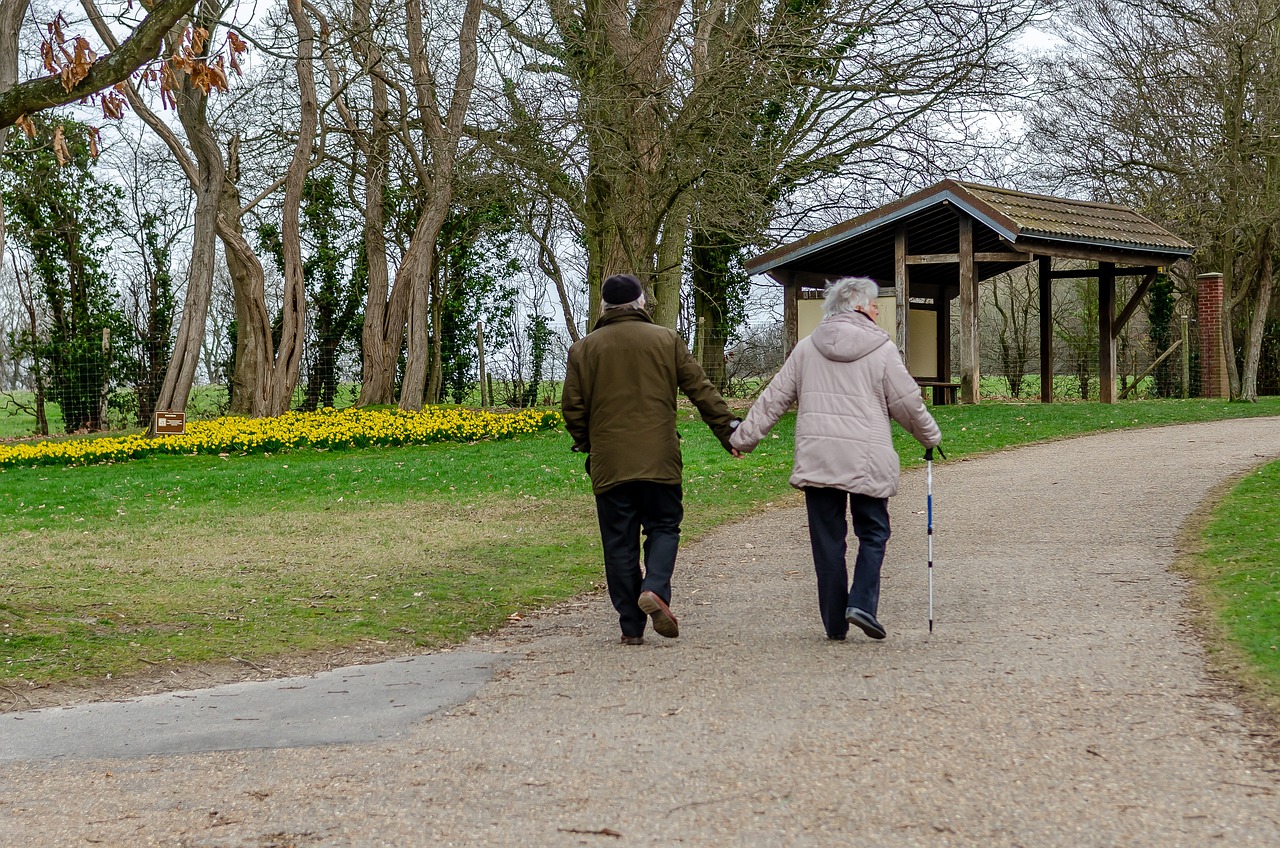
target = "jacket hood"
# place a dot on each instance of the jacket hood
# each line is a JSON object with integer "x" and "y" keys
{"x": 848, "y": 337}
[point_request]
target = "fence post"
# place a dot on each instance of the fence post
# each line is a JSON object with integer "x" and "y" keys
{"x": 1186, "y": 356}
{"x": 486, "y": 399}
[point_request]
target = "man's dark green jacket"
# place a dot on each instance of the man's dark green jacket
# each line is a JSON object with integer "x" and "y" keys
{"x": 619, "y": 400}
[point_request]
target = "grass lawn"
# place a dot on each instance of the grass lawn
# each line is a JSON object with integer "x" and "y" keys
{"x": 1238, "y": 573}
{"x": 110, "y": 569}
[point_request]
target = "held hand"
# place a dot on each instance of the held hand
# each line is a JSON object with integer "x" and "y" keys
{"x": 735, "y": 453}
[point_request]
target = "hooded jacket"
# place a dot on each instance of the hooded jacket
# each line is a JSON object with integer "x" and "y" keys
{"x": 849, "y": 380}
{"x": 619, "y": 400}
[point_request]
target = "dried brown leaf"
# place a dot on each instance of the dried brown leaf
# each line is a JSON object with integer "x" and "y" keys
{"x": 60, "y": 148}
{"x": 113, "y": 104}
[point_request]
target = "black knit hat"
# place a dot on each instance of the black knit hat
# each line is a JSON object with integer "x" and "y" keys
{"x": 621, "y": 288}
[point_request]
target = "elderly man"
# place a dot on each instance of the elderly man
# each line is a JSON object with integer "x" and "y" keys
{"x": 619, "y": 405}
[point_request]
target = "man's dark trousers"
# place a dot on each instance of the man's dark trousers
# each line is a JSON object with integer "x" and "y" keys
{"x": 828, "y": 530}
{"x": 625, "y": 510}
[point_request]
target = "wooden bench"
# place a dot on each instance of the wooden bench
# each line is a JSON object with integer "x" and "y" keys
{"x": 943, "y": 393}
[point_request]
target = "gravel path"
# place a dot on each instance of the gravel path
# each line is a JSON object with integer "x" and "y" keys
{"x": 1062, "y": 699}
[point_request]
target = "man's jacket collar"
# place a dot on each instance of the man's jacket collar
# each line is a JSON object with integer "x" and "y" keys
{"x": 613, "y": 316}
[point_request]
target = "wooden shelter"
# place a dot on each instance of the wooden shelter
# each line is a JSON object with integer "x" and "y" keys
{"x": 937, "y": 245}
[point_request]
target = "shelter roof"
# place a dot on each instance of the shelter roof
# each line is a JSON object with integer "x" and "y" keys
{"x": 1008, "y": 220}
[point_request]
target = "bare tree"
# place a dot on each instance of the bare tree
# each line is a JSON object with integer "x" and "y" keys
{"x": 443, "y": 134}
{"x": 655, "y": 119}
{"x": 1015, "y": 300}
{"x": 1186, "y": 132}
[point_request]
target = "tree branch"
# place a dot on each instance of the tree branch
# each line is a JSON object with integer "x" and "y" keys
{"x": 138, "y": 49}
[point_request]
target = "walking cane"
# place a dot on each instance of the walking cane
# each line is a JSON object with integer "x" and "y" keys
{"x": 928, "y": 461}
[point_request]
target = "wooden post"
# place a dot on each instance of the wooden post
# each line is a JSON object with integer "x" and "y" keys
{"x": 1106, "y": 339}
{"x": 969, "y": 366}
{"x": 943, "y": 305}
{"x": 790, "y": 313}
{"x": 1186, "y": 356}
{"x": 1046, "y": 330}
{"x": 901, "y": 284}
{"x": 485, "y": 400}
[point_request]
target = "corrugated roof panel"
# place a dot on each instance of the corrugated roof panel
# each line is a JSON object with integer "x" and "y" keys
{"x": 862, "y": 242}
{"x": 1059, "y": 217}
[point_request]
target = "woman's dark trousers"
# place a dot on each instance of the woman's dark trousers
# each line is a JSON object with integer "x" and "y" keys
{"x": 625, "y": 510}
{"x": 828, "y": 529}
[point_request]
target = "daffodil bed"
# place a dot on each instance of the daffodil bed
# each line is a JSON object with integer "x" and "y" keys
{"x": 325, "y": 428}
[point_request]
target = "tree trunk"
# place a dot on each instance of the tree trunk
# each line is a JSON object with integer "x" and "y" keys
{"x": 435, "y": 380}
{"x": 413, "y": 390}
{"x": 443, "y": 137}
{"x": 210, "y": 173}
{"x": 11, "y": 14}
{"x": 593, "y": 225}
{"x": 254, "y": 348}
{"x": 1258, "y": 324}
{"x": 669, "y": 274}
{"x": 383, "y": 330}
{"x": 288, "y": 357}
{"x": 619, "y": 52}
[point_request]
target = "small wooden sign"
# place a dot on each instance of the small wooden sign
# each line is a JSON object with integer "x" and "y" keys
{"x": 169, "y": 424}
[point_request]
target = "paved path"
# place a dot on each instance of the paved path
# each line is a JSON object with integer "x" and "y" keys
{"x": 1061, "y": 701}
{"x": 364, "y": 703}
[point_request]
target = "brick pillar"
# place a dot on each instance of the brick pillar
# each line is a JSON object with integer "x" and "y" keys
{"x": 1214, "y": 382}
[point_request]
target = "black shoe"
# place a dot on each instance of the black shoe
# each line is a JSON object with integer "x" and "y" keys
{"x": 865, "y": 621}
{"x": 839, "y": 638}
{"x": 664, "y": 623}
{"x": 632, "y": 640}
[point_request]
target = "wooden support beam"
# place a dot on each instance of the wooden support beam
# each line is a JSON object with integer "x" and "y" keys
{"x": 901, "y": 286}
{"x": 969, "y": 363}
{"x": 1153, "y": 366}
{"x": 1046, "y": 330}
{"x": 1117, "y": 256}
{"x": 1127, "y": 312}
{"x": 943, "y": 307}
{"x": 1091, "y": 273}
{"x": 790, "y": 313}
{"x": 954, "y": 258}
{"x": 1106, "y": 336}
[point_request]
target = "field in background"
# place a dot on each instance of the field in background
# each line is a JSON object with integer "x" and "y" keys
{"x": 170, "y": 561}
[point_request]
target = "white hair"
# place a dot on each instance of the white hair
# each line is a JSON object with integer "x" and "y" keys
{"x": 638, "y": 303}
{"x": 848, "y": 293}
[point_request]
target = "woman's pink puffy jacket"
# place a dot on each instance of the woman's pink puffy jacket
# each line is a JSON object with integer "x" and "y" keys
{"x": 848, "y": 379}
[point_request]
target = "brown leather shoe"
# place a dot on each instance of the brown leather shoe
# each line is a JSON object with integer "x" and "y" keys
{"x": 664, "y": 623}
{"x": 633, "y": 640}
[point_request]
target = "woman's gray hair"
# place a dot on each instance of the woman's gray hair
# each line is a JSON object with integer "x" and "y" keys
{"x": 848, "y": 293}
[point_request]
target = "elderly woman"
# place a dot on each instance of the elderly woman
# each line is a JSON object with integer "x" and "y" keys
{"x": 849, "y": 380}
